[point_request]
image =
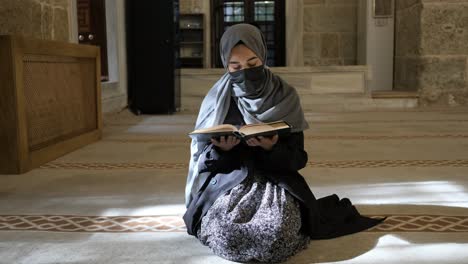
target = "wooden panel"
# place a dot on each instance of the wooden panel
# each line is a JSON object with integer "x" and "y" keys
{"x": 8, "y": 114}
{"x": 44, "y": 155}
{"x": 51, "y": 100}
{"x": 97, "y": 99}
{"x": 22, "y": 129}
{"x": 65, "y": 107}
{"x": 55, "y": 48}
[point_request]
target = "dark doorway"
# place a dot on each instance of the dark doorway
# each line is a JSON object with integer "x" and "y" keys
{"x": 153, "y": 56}
{"x": 268, "y": 16}
{"x": 92, "y": 29}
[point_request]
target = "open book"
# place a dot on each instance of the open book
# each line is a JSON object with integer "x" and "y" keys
{"x": 244, "y": 132}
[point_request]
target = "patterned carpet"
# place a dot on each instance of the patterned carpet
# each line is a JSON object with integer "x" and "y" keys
{"x": 68, "y": 223}
{"x": 307, "y": 138}
{"x": 100, "y": 203}
{"x": 312, "y": 164}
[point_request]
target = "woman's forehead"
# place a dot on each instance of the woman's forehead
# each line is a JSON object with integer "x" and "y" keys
{"x": 245, "y": 34}
{"x": 242, "y": 51}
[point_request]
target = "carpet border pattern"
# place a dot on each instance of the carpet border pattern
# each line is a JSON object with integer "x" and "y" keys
{"x": 186, "y": 140}
{"x": 174, "y": 223}
{"x": 310, "y": 164}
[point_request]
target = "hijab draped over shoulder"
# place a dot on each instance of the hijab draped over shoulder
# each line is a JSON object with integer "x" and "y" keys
{"x": 273, "y": 100}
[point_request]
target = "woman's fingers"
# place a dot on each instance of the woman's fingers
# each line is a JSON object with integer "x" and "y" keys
{"x": 228, "y": 142}
{"x": 235, "y": 141}
{"x": 253, "y": 142}
{"x": 225, "y": 143}
{"x": 268, "y": 143}
{"x": 275, "y": 139}
{"x": 215, "y": 142}
{"x": 266, "y": 140}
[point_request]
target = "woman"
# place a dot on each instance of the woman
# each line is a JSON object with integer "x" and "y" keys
{"x": 246, "y": 200}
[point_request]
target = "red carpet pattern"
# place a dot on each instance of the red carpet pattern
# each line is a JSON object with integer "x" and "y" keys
{"x": 312, "y": 164}
{"x": 387, "y": 163}
{"x": 66, "y": 223}
{"x": 125, "y": 224}
{"x": 423, "y": 223}
{"x": 113, "y": 165}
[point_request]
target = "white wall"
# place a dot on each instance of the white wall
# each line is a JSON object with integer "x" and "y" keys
{"x": 114, "y": 92}
{"x": 376, "y": 46}
{"x": 111, "y": 30}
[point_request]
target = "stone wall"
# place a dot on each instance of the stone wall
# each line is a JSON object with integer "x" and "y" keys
{"x": 41, "y": 19}
{"x": 329, "y": 35}
{"x": 191, "y": 6}
{"x": 330, "y": 32}
{"x": 432, "y": 50}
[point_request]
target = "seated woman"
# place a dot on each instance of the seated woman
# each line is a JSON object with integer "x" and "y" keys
{"x": 246, "y": 200}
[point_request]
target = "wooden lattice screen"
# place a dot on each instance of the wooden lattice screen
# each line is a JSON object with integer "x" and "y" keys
{"x": 50, "y": 100}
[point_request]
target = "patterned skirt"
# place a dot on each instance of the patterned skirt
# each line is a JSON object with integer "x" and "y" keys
{"x": 255, "y": 221}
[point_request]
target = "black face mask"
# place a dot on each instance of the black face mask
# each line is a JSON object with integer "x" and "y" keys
{"x": 249, "y": 80}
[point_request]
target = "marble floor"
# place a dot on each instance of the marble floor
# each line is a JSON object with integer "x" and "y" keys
{"x": 120, "y": 200}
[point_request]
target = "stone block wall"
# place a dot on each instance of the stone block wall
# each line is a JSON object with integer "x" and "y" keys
{"x": 41, "y": 19}
{"x": 330, "y": 32}
{"x": 191, "y": 6}
{"x": 432, "y": 50}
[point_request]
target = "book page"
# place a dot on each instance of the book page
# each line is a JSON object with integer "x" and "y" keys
{"x": 261, "y": 128}
{"x": 215, "y": 129}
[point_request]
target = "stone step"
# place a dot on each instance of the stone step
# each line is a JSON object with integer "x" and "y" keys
{"x": 354, "y": 103}
{"x": 337, "y": 102}
{"x": 394, "y": 94}
{"x": 306, "y": 80}
{"x": 321, "y": 89}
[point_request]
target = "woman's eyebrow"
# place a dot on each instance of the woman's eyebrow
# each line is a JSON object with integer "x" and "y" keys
{"x": 236, "y": 62}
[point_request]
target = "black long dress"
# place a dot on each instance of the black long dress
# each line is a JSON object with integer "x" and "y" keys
{"x": 255, "y": 206}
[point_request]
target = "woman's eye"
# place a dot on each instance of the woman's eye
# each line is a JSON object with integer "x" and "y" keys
{"x": 236, "y": 68}
{"x": 252, "y": 65}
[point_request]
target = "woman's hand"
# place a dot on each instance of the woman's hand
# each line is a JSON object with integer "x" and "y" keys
{"x": 226, "y": 144}
{"x": 264, "y": 142}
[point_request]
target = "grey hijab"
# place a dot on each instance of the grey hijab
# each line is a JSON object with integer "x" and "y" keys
{"x": 274, "y": 100}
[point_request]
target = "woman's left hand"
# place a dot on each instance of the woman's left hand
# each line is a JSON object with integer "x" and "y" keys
{"x": 264, "y": 142}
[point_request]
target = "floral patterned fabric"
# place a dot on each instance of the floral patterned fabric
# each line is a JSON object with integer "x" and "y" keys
{"x": 255, "y": 221}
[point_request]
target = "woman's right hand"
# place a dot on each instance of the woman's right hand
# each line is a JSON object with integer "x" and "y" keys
{"x": 226, "y": 143}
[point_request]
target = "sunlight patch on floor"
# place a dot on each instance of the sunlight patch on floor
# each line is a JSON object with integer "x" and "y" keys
{"x": 393, "y": 247}
{"x": 441, "y": 193}
{"x": 163, "y": 209}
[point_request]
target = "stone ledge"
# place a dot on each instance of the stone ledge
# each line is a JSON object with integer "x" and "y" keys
{"x": 307, "y": 80}
{"x": 444, "y": 1}
{"x": 394, "y": 94}
{"x": 313, "y": 69}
